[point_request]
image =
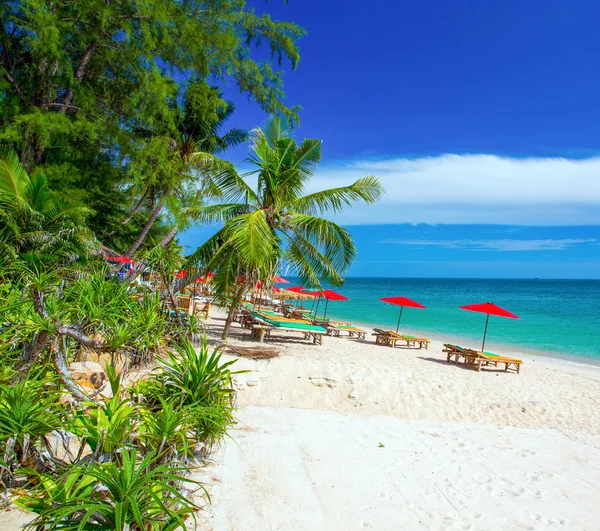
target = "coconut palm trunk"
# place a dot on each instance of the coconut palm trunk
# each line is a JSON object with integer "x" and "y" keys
{"x": 167, "y": 239}
{"x": 144, "y": 232}
{"x": 234, "y": 304}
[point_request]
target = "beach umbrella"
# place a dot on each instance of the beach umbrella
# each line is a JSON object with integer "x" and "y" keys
{"x": 489, "y": 308}
{"x": 295, "y": 289}
{"x": 120, "y": 259}
{"x": 402, "y": 302}
{"x": 280, "y": 280}
{"x": 329, "y": 295}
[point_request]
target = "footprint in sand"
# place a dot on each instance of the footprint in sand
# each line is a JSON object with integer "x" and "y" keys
{"x": 318, "y": 381}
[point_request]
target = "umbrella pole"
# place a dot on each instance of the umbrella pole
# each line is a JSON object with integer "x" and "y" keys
{"x": 317, "y": 308}
{"x": 325, "y": 314}
{"x": 485, "y": 331}
{"x": 399, "y": 317}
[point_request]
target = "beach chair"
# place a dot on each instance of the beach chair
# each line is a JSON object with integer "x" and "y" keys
{"x": 202, "y": 310}
{"x": 390, "y": 339}
{"x": 184, "y": 304}
{"x": 263, "y": 326}
{"x": 455, "y": 352}
{"x": 509, "y": 363}
{"x": 477, "y": 359}
{"x": 335, "y": 330}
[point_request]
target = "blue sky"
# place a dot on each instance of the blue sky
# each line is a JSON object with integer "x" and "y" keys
{"x": 481, "y": 119}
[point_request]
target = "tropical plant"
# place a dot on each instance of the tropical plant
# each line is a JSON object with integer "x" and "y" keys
{"x": 134, "y": 494}
{"x": 29, "y": 412}
{"x": 37, "y": 227}
{"x": 167, "y": 430}
{"x": 180, "y": 150}
{"x": 78, "y": 77}
{"x": 104, "y": 427}
{"x": 200, "y": 381}
{"x": 277, "y": 219}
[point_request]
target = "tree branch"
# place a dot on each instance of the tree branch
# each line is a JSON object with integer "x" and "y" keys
{"x": 80, "y": 337}
{"x": 79, "y": 75}
{"x": 15, "y": 85}
{"x": 63, "y": 369}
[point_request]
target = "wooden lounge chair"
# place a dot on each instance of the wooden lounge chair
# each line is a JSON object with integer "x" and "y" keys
{"x": 389, "y": 338}
{"x": 263, "y": 326}
{"x": 336, "y": 329}
{"x": 477, "y": 359}
{"x": 455, "y": 352}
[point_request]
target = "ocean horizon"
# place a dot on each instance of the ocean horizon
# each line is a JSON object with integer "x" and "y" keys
{"x": 558, "y": 317}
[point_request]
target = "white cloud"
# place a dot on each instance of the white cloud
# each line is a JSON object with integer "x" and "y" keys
{"x": 496, "y": 245}
{"x": 474, "y": 189}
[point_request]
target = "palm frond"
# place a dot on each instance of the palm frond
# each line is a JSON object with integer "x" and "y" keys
{"x": 14, "y": 181}
{"x": 335, "y": 242}
{"x": 252, "y": 237}
{"x": 276, "y": 128}
{"x": 367, "y": 189}
{"x": 233, "y": 187}
{"x": 219, "y": 213}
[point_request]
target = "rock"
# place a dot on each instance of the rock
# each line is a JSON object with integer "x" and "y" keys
{"x": 88, "y": 372}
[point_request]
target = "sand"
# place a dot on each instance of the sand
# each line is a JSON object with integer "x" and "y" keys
{"x": 351, "y": 435}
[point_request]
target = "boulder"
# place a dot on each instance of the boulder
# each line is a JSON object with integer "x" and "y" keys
{"x": 88, "y": 372}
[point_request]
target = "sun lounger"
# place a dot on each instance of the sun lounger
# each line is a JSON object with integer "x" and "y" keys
{"x": 336, "y": 329}
{"x": 264, "y": 325}
{"x": 390, "y": 338}
{"x": 477, "y": 359}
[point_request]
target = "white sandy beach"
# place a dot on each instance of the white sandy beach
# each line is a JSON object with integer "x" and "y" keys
{"x": 352, "y": 435}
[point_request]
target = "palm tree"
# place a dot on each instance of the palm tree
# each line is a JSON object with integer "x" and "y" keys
{"x": 276, "y": 220}
{"x": 40, "y": 228}
{"x": 190, "y": 143}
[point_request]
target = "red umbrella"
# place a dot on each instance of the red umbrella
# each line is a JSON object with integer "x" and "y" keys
{"x": 329, "y": 295}
{"x": 489, "y": 308}
{"x": 181, "y": 274}
{"x": 120, "y": 259}
{"x": 295, "y": 289}
{"x": 281, "y": 280}
{"x": 402, "y": 302}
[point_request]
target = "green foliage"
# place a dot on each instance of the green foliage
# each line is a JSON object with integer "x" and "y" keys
{"x": 167, "y": 430}
{"x": 42, "y": 229}
{"x": 135, "y": 493}
{"x": 29, "y": 412}
{"x": 135, "y": 448}
{"x": 276, "y": 220}
{"x": 105, "y": 427}
{"x": 80, "y": 78}
{"x": 198, "y": 380}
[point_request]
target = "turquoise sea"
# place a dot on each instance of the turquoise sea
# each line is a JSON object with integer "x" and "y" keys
{"x": 557, "y": 317}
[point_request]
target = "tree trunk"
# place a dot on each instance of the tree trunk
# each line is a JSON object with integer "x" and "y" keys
{"x": 167, "y": 239}
{"x": 31, "y": 353}
{"x": 142, "y": 236}
{"x": 137, "y": 207}
{"x": 62, "y": 367}
{"x": 78, "y": 76}
{"x": 234, "y": 304}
